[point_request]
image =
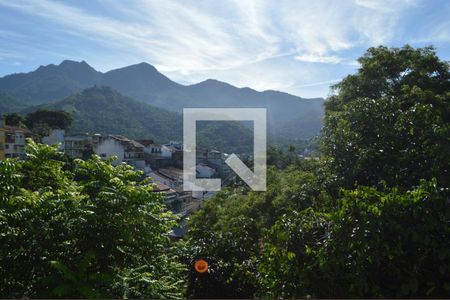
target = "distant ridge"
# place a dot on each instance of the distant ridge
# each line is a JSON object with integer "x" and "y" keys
{"x": 103, "y": 110}
{"x": 288, "y": 116}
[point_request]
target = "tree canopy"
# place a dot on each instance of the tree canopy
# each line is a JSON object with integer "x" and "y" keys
{"x": 391, "y": 120}
{"x": 369, "y": 219}
{"x": 53, "y": 119}
{"x": 13, "y": 119}
{"x": 91, "y": 230}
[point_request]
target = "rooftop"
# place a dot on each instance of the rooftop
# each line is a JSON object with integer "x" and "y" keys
{"x": 125, "y": 140}
{"x": 171, "y": 172}
{"x": 146, "y": 143}
{"x": 160, "y": 187}
{"x": 17, "y": 129}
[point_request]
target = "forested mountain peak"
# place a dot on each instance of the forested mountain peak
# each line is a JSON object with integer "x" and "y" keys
{"x": 289, "y": 116}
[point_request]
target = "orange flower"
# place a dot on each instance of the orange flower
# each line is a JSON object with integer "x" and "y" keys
{"x": 201, "y": 266}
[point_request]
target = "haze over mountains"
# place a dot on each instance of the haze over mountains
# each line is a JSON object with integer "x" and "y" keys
{"x": 288, "y": 116}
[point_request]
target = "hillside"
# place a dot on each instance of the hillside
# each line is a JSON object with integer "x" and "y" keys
{"x": 9, "y": 104}
{"x": 288, "y": 115}
{"x": 103, "y": 110}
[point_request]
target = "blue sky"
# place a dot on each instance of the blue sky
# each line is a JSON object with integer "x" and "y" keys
{"x": 300, "y": 47}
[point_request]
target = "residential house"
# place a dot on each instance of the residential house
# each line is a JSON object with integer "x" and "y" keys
{"x": 170, "y": 176}
{"x": 166, "y": 151}
{"x": 173, "y": 178}
{"x": 175, "y": 145}
{"x": 155, "y": 150}
{"x": 180, "y": 204}
{"x": 176, "y": 202}
{"x": 204, "y": 171}
{"x": 169, "y": 194}
{"x": 81, "y": 145}
{"x": 216, "y": 160}
{"x": 14, "y": 141}
{"x": 156, "y": 155}
{"x": 125, "y": 149}
{"x": 55, "y": 136}
{"x": 147, "y": 145}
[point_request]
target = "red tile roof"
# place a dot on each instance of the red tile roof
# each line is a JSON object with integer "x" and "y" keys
{"x": 17, "y": 129}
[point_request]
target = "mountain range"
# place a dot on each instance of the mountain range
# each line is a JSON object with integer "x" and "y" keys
{"x": 289, "y": 116}
{"x": 104, "y": 110}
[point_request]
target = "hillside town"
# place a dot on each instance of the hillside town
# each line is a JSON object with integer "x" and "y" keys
{"x": 161, "y": 163}
{"x": 238, "y": 149}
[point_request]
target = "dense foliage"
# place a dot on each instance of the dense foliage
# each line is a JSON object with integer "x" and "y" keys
{"x": 369, "y": 219}
{"x": 228, "y": 231}
{"x": 375, "y": 244}
{"x": 52, "y": 119}
{"x": 83, "y": 230}
{"x": 391, "y": 120}
{"x": 13, "y": 119}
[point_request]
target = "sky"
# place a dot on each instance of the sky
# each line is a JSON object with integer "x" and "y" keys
{"x": 299, "y": 47}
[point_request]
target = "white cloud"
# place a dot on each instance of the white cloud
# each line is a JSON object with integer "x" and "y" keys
{"x": 197, "y": 36}
{"x": 190, "y": 40}
{"x": 385, "y": 5}
{"x": 319, "y": 83}
{"x": 376, "y": 20}
{"x": 319, "y": 58}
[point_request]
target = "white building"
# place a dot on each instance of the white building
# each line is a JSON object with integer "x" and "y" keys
{"x": 204, "y": 171}
{"x": 175, "y": 145}
{"x": 124, "y": 149}
{"x": 55, "y": 136}
{"x": 15, "y": 141}
{"x": 81, "y": 145}
{"x": 166, "y": 151}
{"x": 156, "y": 150}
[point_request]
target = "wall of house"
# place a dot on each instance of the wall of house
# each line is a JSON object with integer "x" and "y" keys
{"x": 14, "y": 144}
{"x": 165, "y": 152}
{"x": 55, "y": 136}
{"x": 153, "y": 150}
{"x": 137, "y": 163}
{"x": 108, "y": 148}
{"x": 156, "y": 177}
{"x": 204, "y": 171}
{"x": 148, "y": 149}
{"x": 74, "y": 146}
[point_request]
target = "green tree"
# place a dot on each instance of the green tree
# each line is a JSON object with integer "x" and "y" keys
{"x": 290, "y": 267}
{"x": 367, "y": 220}
{"x": 391, "y": 120}
{"x": 48, "y": 118}
{"x": 391, "y": 244}
{"x": 13, "y": 119}
{"x": 376, "y": 244}
{"x": 92, "y": 231}
{"x": 228, "y": 231}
